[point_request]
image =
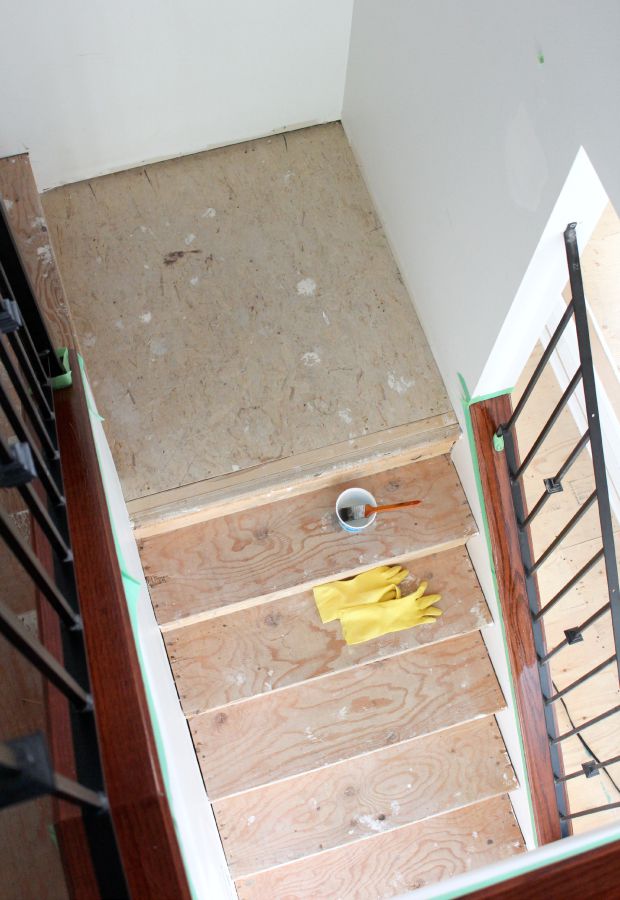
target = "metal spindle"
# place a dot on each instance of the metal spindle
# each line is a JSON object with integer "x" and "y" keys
{"x": 584, "y": 725}
{"x": 589, "y": 621}
{"x": 581, "y": 680}
{"x": 569, "y": 585}
{"x": 557, "y": 334}
{"x": 565, "y": 531}
{"x": 557, "y": 479}
{"x": 592, "y": 811}
{"x": 42, "y": 659}
{"x": 590, "y": 767}
{"x": 548, "y": 425}
{"x": 23, "y": 394}
{"x": 37, "y": 573}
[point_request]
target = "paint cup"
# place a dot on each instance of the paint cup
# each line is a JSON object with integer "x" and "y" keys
{"x": 355, "y": 497}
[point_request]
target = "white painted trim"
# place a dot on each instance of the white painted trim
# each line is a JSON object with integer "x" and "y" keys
{"x": 199, "y": 839}
{"x": 582, "y": 199}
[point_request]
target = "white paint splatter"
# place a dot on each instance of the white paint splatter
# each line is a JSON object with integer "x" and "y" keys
{"x": 189, "y": 239}
{"x": 343, "y": 712}
{"x": 146, "y": 317}
{"x": 45, "y": 254}
{"x": 99, "y": 260}
{"x": 373, "y": 824}
{"x": 287, "y": 176}
{"x": 395, "y": 806}
{"x": 237, "y": 678}
{"x": 194, "y": 281}
{"x": 146, "y": 266}
{"x": 119, "y": 324}
{"x": 306, "y": 287}
{"x": 345, "y": 415}
{"x": 310, "y": 734}
{"x": 325, "y": 318}
{"x": 311, "y": 359}
{"x": 159, "y": 347}
{"x": 143, "y": 229}
{"x": 409, "y": 786}
{"x": 399, "y": 383}
{"x": 38, "y": 222}
{"x": 474, "y": 834}
{"x": 8, "y": 204}
{"x": 251, "y": 820}
{"x": 209, "y": 213}
{"x": 89, "y": 340}
{"x": 234, "y": 468}
{"x": 312, "y": 803}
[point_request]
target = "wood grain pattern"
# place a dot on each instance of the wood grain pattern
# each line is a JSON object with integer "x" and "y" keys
{"x": 486, "y": 417}
{"x": 292, "y": 544}
{"x": 350, "y": 713}
{"x": 134, "y": 785}
{"x": 592, "y": 875}
{"x": 284, "y": 642}
{"x": 299, "y": 474}
{"x": 397, "y": 861}
{"x": 22, "y": 202}
{"x": 350, "y": 800}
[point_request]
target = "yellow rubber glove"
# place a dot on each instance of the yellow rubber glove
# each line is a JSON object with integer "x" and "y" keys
{"x": 373, "y": 586}
{"x": 362, "y": 623}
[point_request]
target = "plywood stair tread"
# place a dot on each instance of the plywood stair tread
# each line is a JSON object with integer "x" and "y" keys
{"x": 341, "y": 803}
{"x": 283, "y": 642}
{"x": 274, "y": 550}
{"x": 349, "y": 713}
{"x": 396, "y": 861}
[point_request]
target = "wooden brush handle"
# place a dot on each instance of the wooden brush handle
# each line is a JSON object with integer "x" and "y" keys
{"x": 369, "y": 510}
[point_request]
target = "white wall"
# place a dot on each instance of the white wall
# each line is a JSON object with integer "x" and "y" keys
{"x": 93, "y": 87}
{"x": 465, "y": 139}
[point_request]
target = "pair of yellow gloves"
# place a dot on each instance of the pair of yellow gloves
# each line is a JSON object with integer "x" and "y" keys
{"x": 371, "y": 604}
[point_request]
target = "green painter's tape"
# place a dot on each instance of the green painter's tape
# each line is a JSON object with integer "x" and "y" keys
{"x": 467, "y": 403}
{"x": 498, "y": 442}
{"x": 66, "y": 380}
{"x": 132, "y": 588}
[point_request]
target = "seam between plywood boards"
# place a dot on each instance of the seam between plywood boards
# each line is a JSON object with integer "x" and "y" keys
{"x": 323, "y": 675}
{"x": 418, "y": 737}
{"x": 285, "y": 592}
{"x": 299, "y": 474}
{"x": 369, "y": 837}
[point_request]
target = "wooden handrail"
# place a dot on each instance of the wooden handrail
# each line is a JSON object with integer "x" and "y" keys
{"x": 590, "y": 875}
{"x": 139, "y": 808}
{"x": 486, "y": 417}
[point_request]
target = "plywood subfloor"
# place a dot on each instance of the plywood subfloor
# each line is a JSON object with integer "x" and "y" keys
{"x": 239, "y": 306}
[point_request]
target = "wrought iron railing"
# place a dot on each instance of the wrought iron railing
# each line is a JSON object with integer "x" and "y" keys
{"x": 30, "y": 466}
{"x": 576, "y": 312}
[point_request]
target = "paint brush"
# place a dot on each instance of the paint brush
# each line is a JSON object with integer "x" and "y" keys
{"x": 354, "y": 513}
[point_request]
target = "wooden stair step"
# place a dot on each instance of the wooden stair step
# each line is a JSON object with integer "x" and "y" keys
{"x": 396, "y": 861}
{"x": 264, "y": 553}
{"x": 338, "y": 804}
{"x": 309, "y": 725}
{"x": 284, "y": 642}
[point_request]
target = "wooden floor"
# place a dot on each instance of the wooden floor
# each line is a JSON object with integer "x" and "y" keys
{"x": 337, "y": 771}
{"x": 600, "y": 272}
{"x": 237, "y": 307}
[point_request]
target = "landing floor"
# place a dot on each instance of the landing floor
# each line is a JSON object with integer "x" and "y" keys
{"x": 239, "y": 306}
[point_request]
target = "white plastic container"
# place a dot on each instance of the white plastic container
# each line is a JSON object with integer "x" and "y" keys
{"x": 355, "y": 497}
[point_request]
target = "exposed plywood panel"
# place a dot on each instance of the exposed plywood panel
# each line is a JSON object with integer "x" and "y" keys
{"x": 239, "y": 306}
{"x": 301, "y": 474}
{"x": 350, "y": 800}
{"x": 284, "y": 642}
{"x": 398, "y": 861}
{"x": 20, "y": 197}
{"x": 272, "y": 550}
{"x": 349, "y": 713}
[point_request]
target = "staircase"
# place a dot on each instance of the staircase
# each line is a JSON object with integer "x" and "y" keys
{"x": 336, "y": 771}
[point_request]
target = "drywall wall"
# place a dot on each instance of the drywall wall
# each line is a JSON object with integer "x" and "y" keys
{"x": 90, "y": 88}
{"x": 466, "y": 119}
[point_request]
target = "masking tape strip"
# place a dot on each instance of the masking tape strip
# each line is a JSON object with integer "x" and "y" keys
{"x": 66, "y": 380}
